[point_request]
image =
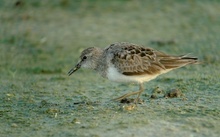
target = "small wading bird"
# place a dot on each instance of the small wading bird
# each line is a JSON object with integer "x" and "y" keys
{"x": 127, "y": 62}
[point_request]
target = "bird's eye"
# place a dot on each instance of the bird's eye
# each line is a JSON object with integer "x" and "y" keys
{"x": 84, "y": 58}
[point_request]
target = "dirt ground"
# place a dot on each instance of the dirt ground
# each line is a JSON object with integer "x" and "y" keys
{"x": 40, "y": 40}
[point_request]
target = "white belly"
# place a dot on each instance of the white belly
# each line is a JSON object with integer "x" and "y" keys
{"x": 114, "y": 75}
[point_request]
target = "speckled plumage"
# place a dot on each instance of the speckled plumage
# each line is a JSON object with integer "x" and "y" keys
{"x": 127, "y": 62}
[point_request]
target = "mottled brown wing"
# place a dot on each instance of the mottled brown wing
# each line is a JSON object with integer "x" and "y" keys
{"x": 131, "y": 59}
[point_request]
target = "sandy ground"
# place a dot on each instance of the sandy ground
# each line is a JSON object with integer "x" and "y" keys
{"x": 41, "y": 40}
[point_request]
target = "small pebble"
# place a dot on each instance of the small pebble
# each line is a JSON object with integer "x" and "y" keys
{"x": 157, "y": 90}
{"x": 153, "y": 96}
{"x": 173, "y": 93}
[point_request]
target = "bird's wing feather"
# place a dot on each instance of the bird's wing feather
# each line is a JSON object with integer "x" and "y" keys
{"x": 131, "y": 59}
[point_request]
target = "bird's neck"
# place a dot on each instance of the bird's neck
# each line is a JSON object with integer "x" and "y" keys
{"x": 96, "y": 58}
{"x": 102, "y": 64}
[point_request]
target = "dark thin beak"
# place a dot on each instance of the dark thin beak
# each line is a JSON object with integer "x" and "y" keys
{"x": 74, "y": 69}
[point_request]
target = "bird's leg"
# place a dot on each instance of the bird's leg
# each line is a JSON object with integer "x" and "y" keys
{"x": 126, "y": 95}
{"x": 141, "y": 89}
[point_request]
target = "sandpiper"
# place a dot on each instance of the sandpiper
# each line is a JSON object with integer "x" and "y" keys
{"x": 128, "y": 62}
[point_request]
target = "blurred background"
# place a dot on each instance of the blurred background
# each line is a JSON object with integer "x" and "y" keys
{"x": 42, "y": 31}
{"x": 40, "y": 40}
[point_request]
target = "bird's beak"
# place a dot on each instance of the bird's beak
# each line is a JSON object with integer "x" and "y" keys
{"x": 74, "y": 69}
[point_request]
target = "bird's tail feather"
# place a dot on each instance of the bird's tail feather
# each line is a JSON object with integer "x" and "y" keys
{"x": 178, "y": 61}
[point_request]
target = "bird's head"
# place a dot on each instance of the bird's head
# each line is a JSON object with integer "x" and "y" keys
{"x": 88, "y": 59}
